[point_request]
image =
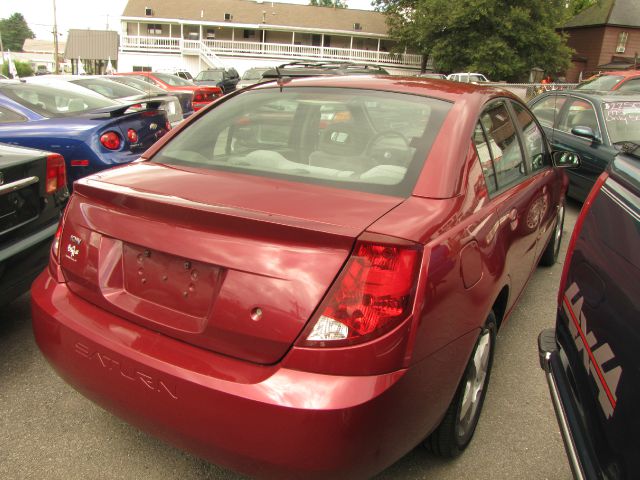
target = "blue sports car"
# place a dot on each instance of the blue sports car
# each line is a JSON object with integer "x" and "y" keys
{"x": 91, "y": 133}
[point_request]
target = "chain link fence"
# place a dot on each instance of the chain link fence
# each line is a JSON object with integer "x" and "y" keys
{"x": 527, "y": 91}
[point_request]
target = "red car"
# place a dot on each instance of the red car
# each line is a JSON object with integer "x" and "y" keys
{"x": 307, "y": 278}
{"x": 202, "y": 95}
{"x": 623, "y": 80}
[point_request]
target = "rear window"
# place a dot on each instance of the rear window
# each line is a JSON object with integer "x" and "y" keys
{"x": 254, "y": 73}
{"x": 603, "y": 82}
{"x": 173, "y": 80}
{"x": 355, "y": 139}
{"x": 210, "y": 75}
{"x": 52, "y": 102}
{"x": 107, "y": 88}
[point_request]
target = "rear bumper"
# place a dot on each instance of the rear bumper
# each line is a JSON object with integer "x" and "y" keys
{"x": 267, "y": 421}
{"x": 574, "y": 433}
{"x": 22, "y": 261}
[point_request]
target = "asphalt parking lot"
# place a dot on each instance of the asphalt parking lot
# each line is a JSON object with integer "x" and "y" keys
{"x": 49, "y": 431}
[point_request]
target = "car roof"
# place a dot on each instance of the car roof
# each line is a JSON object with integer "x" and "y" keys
{"x": 448, "y": 91}
{"x": 621, "y": 73}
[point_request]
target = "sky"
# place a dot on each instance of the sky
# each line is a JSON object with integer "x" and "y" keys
{"x": 94, "y": 14}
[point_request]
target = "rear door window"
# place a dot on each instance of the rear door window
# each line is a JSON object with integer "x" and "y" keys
{"x": 508, "y": 159}
{"x": 533, "y": 139}
{"x": 484, "y": 155}
{"x": 547, "y": 110}
{"x": 9, "y": 116}
{"x": 580, "y": 113}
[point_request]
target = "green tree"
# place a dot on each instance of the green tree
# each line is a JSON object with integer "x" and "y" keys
{"x": 576, "y": 6}
{"x": 328, "y": 3}
{"x": 502, "y": 39}
{"x": 14, "y": 31}
{"x": 23, "y": 68}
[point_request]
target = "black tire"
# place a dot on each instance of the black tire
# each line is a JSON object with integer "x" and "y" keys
{"x": 454, "y": 433}
{"x": 550, "y": 255}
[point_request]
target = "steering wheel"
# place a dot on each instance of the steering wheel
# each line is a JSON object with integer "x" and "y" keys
{"x": 388, "y": 154}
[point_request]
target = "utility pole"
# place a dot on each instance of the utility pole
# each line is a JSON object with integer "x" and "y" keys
{"x": 55, "y": 40}
{"x": 2, "y": 50}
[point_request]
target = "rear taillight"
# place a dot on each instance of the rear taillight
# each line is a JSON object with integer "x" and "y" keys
{"x": 56, "y": 173}
{"x": 132, "y": 135}
{"x": 576, "y": 231}
{"x": 198, "y": 97}
{"x": 110, "y": 140}
{"x": 373, "y": 294}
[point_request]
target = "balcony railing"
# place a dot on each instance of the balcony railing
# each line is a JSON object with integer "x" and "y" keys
{"x": 272, "y": 50}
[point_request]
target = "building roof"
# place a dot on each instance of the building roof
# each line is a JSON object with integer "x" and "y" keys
{"x": 92, "y": 44}
{"x": 624, "y": 13}
{"x": 32, "y": 45}
{"x": 258, "y": 13}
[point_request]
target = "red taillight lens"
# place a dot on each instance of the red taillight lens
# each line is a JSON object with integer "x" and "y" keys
{"x": 198, "y": 97}
{"x": 167, "y": 125}
{"x": 132, "y": 135}
{"x": 56, "y": 173}
{"x": 576, "y": 231}
{"x": 110, "y": 140}
{"x": 372, "y": 295}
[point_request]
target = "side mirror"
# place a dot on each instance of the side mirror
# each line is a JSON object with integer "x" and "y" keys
{"x": 565, "y": 159}
{"x": 585, "y": 132}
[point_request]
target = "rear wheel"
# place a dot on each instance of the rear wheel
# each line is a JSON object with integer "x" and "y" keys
{"x": 550, "y": 254}
{"x": 459, "y": 423}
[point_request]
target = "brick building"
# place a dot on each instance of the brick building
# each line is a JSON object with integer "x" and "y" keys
{"x": 605, "y": 36}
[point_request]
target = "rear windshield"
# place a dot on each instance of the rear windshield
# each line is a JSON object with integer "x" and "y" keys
{"x": 173, "y": 80}
{"x": 603, "y": 82}
{"x": 107, "y": 88}
{"x": 212, "y": 75}
{"x": 623, "y": 121}
{"x": 254, "y": 73}
{"x": 354, "y": 139}
{"x": 52, "y": 102}
{"x": 138, "y": 84}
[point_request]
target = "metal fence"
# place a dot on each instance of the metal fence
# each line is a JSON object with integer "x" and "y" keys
{"x": 527, "y": 91}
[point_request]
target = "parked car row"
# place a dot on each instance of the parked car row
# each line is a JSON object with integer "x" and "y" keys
{"x": 71, "y": 131}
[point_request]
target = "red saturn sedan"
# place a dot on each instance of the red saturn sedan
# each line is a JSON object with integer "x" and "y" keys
{"x": 202, "y": 94}
{"x": 306, "y": 279}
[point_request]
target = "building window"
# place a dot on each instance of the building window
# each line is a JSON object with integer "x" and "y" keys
{"x": 139, "y": 68}
{"x": 249, "y": 34}
{"x": 154, "y": 29}
{"x": 622, "y": 42}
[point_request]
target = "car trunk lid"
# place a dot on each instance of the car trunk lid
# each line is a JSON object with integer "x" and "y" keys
{"x": 228, "y": 262}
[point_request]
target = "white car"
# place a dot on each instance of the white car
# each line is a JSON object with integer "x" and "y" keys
{"x": 467, "y": 77}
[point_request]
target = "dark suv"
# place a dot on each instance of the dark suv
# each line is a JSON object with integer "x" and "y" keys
{"x": 225, "y": 78}
{"x": 33, "y": 190}
{"x": 591, "y": 360}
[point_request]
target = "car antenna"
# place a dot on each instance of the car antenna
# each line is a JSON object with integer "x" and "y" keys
{"x": 279, "y": 76}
